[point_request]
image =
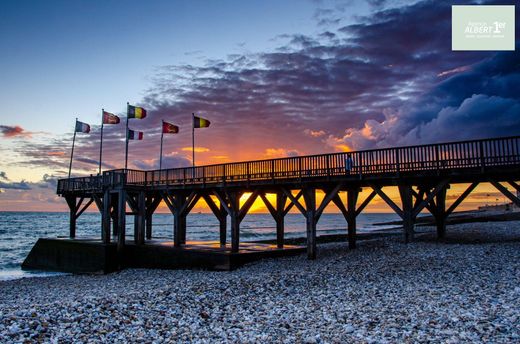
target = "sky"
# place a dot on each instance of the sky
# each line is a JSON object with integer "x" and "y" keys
{"x": 275, "y": 78}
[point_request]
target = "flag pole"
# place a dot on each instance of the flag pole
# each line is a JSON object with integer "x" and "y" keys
{"x": 73, "y": 141}
{"x": 160, "y": 155}
{"x": 126, "y": 151}
{"x": 193, "y": 139}
{"x": 101, "y": 143}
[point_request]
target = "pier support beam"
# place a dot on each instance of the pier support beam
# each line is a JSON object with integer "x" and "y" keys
{"x": 75, "y": 211}
{"x": 405, "y": 191}
{"x": 71, "y": 201}
{"x": 234, "y": 206}
{"x": 280, "y": 218}
{"x": 114, "y": 200}
{"x": 121, "y": 221}
{"x": 180, "y": 204}
{"x": 278, "y": 213}
{"x": 309, "y": 195}
{"x": 222, "y": 225}
{"x": 352, "y": 197}
{"x": 140, "y": 218}
{"x": 221, "y": 215}
{"x": 230, "y": 200}
{"x": 105, "y": 217}
{"x": 440, "y": 213}
{"x": 152, "y": 202}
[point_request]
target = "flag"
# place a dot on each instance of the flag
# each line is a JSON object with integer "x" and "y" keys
{"x": 136, "y": 112}
{"x": 110, "y": 118}
{"x": 82, "y": 127}
{"x": 135, "y": 135}
{"x": 168, "y": 128}
{"x": 199, "y": 122}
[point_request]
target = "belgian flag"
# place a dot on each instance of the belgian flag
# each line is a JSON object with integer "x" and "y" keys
{"x": 199, "y": 122}
{"x": 136, "y": 112}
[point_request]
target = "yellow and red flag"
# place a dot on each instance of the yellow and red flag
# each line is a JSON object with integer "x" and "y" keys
{"x": 168, "y": 128}
{"x": 136, "y": 112}
{"x": 110, "y": 118}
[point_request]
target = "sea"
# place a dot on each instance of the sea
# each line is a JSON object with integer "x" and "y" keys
{"x": 19, "y": 231}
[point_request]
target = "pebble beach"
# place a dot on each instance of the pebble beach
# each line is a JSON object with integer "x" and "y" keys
{"x": 464, "y": 289}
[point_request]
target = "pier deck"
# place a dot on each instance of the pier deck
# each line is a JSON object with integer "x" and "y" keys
{"x": 422, "y": 174}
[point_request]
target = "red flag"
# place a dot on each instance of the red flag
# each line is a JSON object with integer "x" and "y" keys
{"x": 110, "y": 118}
{"x": 168, "y": 128}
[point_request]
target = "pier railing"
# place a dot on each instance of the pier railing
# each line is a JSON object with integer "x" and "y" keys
{"x": 444, "y": 156}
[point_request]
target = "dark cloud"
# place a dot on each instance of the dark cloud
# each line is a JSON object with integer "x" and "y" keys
{"x": 389, "y": 78}
{"x": 14, "y": 131}
{"x": 23, "y": 185}
{"x": 3, "y": 175}
{"x": 480, "y": 101}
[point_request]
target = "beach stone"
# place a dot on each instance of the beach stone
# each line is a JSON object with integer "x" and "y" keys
{"x": 382, "y": 292}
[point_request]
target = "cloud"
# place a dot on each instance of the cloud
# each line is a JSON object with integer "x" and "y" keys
{"x": 9, "y": 131}
{"x": 314, "y": 133}
{"x": 197, "y": 149}
{"x": 475, "y": 102}
{"x": 3, "y": 175}
{"x": 23, "y": 185}
{"x": 168, "y": 161}
{"x": 358, "y": 91}
{"x": 280, "y": 153}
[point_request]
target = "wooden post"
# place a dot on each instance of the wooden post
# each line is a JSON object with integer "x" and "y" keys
{"x": 105, "y": 217}
{"x": 152, "y": 203}
{"x": 148, "y": 221}
{"x": 71, "y": 201}
{"x": 223, "y": 225}
{"x": 352, "y": 197}
{"x": 183, "y": 228}
{"x": 121, "y": 222}
{"x": 408, "y": 221}
{"x": 309, "y": 195}
{"x": 281, "y": 198}
{"x": 440, "y": 216}
{"x": 140, "y": 218}
{"x": 234, "y": 202}
{"x": 114, "y": 198}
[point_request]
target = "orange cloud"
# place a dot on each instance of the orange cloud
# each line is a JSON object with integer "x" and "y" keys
{"x": 280, "y": 153}
{"x": 197, "y": 149}
{"x": 55, "y": 153}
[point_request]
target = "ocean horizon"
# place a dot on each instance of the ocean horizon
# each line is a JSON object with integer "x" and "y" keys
{"x": 19, "y": 231}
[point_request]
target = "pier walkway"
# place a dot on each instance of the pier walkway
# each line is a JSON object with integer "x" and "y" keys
{"x": 422, "y": 174}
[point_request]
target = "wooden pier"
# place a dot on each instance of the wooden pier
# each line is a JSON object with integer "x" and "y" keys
{"x": 422, "y": 173}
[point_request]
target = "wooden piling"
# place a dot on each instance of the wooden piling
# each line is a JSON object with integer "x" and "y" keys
{"x": 71, "y": 201}
{"x": 440, "y": 216}
{"x": 234, "y": 206}
{"x": 105, "y": 217}
{"x": 222, "y": 225}
{"x": 281, "y": 199}
{"x": 407, "y": 203}
{"x": 352, "y": 196}
{"x": 309, "y": 195}
{"x": 121, "y": 221}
